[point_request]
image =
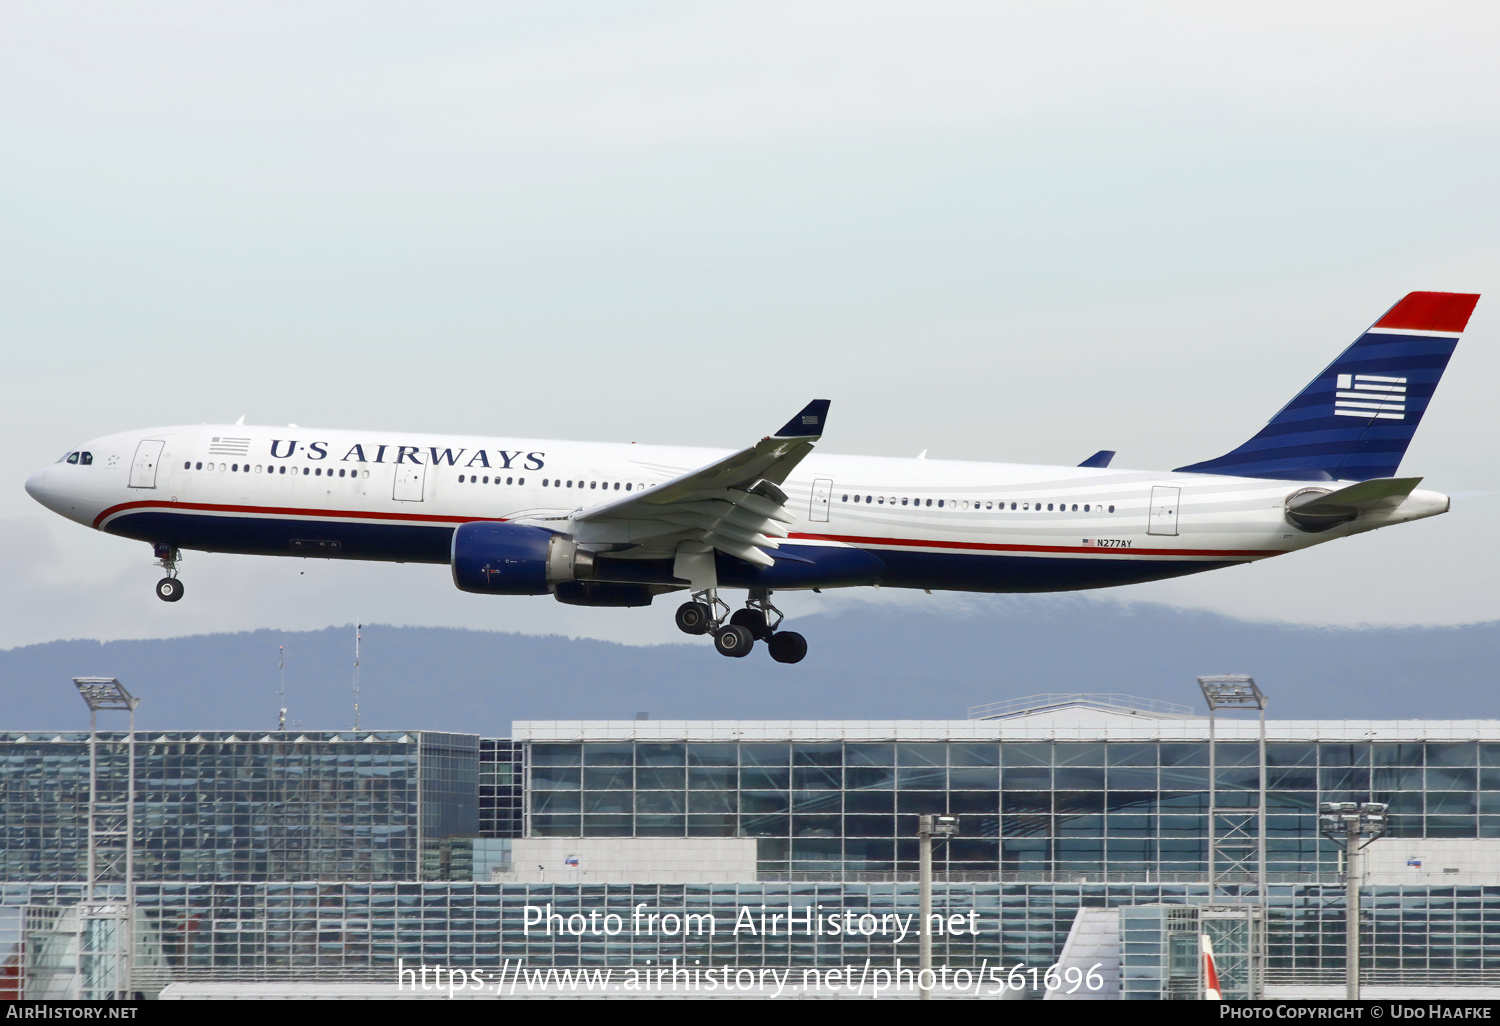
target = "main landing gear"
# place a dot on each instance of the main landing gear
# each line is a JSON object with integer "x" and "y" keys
{"x": 169, "y": 588}
{"x": 706, "y": 613}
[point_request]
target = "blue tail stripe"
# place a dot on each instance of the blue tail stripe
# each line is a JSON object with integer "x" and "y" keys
{"x": 1308, "y": 440}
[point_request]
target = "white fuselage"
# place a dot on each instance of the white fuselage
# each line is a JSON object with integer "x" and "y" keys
{"x": 932, "y": 523}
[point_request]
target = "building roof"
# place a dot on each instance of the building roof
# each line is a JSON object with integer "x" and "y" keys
{"x": 1069, "y": 723}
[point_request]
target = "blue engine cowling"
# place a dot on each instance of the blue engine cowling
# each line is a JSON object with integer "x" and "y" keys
{"x": 496, "y": 558}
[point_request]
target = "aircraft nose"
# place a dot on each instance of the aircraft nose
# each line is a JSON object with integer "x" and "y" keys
{"x": 36, "y": 485}
{"x": 48, "y": 494}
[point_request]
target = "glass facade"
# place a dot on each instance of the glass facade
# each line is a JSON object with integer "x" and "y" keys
{"x": 305, "y": 853}
{"x": 502, "y": 785}
{"x": 1039, "y": 808}
{"x": 228, "y": 806}
{"x": 348, "y": 930}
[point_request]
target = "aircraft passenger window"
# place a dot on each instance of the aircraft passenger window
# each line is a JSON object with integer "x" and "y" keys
{"x": 544, "y": 482}
{"x": 940, "y": 504}
{"x": 519, "y": 480}
{"x": 257, "y": 468}
{"x": 617, "y": 486}
{"x": 991, "y": 505}
{"x": 1111, "y": 509}
{"x": 570, "y": 484}
{"x": 318, "y": 472}
{"x": 627, "y": 486}
{"x": 365, "y": 474}
{"x": 929, "y": 502}
{"x": 881, "y": 500}
{"x": 1075, "y": 507}
{"x": 1085, "y": 507}
{"x": 283, "y": 470}
{"x": 507, "y": 480}
{"x": 304, "y": 470}
{"x": 235, "y": 468}
{"x": 187, "y": 466}
{"x": 200, "y": 466}
{"x": 869, "y": 499}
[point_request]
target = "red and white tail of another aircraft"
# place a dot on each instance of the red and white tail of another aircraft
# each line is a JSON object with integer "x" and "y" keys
{"x": 1211, "y": 991}
{"x": 614, "y": 524}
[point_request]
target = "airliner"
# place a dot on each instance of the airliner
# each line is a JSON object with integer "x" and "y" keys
{"x": 618, "y": 524}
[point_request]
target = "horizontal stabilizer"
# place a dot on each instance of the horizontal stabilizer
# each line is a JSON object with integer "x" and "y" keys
{"x": 1099, "y": 460}
{"x": 1378, "y": 493}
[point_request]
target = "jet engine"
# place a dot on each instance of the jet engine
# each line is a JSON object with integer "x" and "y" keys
{"x": 497, "y": 558}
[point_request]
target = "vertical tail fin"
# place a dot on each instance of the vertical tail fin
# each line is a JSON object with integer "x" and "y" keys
{"x": 1211, "y": 991}
{"x": 1355, "y": 420}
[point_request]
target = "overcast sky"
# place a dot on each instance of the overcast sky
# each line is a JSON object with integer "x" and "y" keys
{"x": 1019, "y": 232}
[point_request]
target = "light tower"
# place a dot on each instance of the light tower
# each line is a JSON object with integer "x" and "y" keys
{"x": 1345, "y": 823}
{"x": 928, "y": 826}
{"x": 107, "y": 930}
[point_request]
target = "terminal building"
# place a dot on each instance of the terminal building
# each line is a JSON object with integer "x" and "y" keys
{"x": 305, "y": 856}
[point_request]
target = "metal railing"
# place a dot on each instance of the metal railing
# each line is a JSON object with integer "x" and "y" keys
{"x": 1111, "y": 702}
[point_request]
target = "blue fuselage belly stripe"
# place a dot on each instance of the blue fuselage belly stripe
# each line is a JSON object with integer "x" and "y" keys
{"x": 275, "y": 536}
{"x": 809, "y": 565}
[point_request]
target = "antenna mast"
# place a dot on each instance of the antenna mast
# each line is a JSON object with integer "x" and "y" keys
{"x": 357, "y": 629}
{"x": 281, "y": 685}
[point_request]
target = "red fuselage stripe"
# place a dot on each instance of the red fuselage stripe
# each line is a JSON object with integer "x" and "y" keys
{"x": 999, "y": 547}
{"x": 334, "y": 514}
{"x": 439, "y": 519}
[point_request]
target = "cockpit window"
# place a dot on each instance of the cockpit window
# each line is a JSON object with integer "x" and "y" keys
{"x": 86, "y": 459}
{"x": 72, "y": 457}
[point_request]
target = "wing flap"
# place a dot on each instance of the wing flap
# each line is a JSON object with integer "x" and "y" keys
{"x": 735, "y": 504}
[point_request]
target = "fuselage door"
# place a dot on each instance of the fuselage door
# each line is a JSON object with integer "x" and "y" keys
{"x": 147, "y": 456}
{"x": 1164, "y": 500}
{"x": 822, "y": 489}
{"x": 410, "y": 480}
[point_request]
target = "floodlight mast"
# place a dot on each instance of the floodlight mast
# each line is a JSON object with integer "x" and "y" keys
{"x": 107, "y": 693}
{"x": 928, "y": 826}
{"x": 1233, "y": 691}
{"x": 1345, "y": 823}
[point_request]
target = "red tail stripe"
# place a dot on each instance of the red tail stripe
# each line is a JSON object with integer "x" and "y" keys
{"x": 1431, "y": 311}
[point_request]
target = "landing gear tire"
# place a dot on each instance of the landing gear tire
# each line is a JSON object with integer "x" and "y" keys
{"x": 754, "y": 621}
{"x": 694, "y": 617}
{"x": 169, "y": 589}
{"x": 787, "y": 647}
{"x": 734, "y": 640}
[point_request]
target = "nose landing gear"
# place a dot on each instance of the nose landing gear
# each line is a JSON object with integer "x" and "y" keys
{"x": 705, "y": 614}
{"x": 169, "y": 588}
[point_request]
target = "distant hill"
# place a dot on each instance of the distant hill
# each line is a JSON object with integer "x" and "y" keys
{"x": 876, "y": 663}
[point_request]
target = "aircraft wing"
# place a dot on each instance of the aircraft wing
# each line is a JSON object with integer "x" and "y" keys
{"x": 735, "y": 504}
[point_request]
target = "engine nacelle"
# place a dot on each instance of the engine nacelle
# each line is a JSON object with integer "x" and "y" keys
{"x": 497, "y": 558}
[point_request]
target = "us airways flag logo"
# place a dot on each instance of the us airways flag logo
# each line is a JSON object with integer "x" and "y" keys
{"x": 1370, "y": 395}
